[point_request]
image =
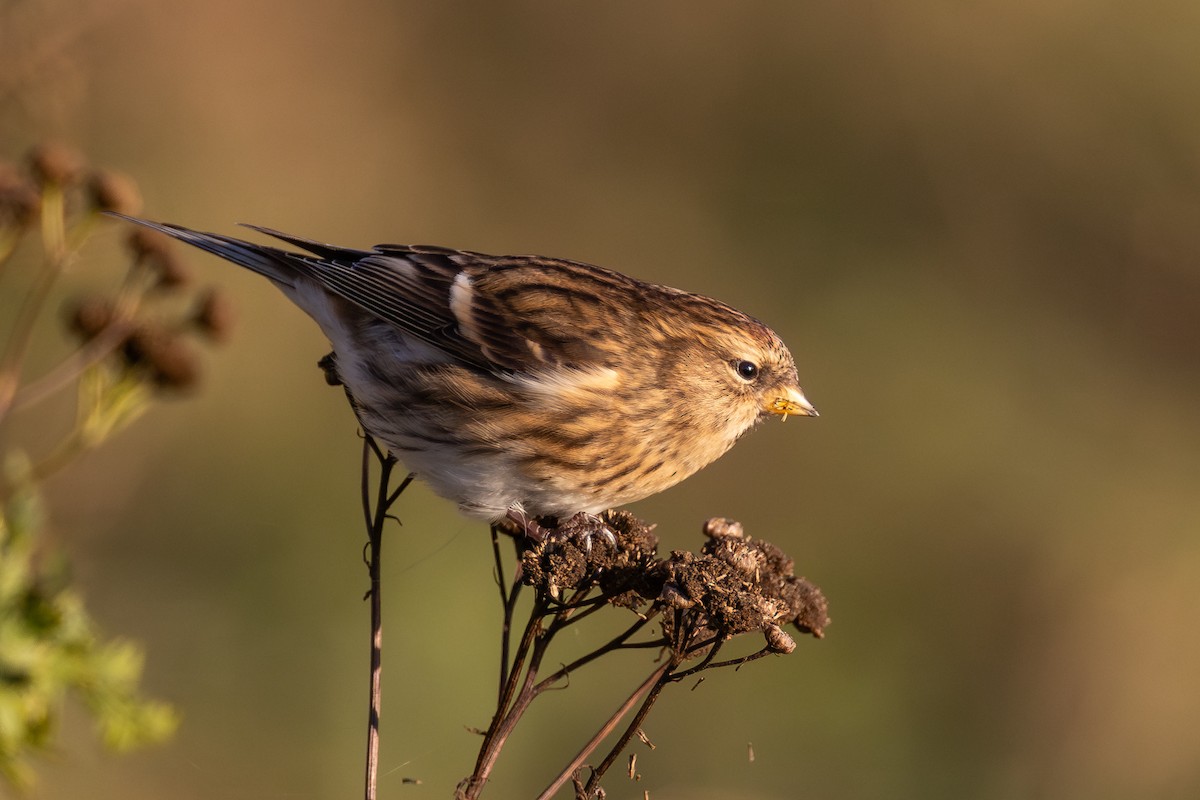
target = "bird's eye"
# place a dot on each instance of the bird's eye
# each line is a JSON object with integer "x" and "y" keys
{"x": 746, "y": 370}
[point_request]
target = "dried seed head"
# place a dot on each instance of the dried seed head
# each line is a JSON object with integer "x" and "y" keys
{"x": 738, "y": 584}
{"x": 89, "y": 316}
{"x": 614, "y": 551}
{"x": 674, "y": 598}
{"x": 810, "y": 606}
{"x": 720, "y": 527}
{"x": 147, "y": 243}
{"x": 778, "y": 639}
{"x": 156, "y": 251}
{"x": 56, "y": 163}
{"x": 214, "y": 315}
{"x": 166, "y": 358}
{"x": 19, "y": 198}
{"x": 113, "y": 191}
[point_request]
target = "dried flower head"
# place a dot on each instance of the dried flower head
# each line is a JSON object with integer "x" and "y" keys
{"x": 612, "y": 551}
{"x": 19, "y": 198}
{"x": 737, "y": 585}
{"x": 56, "y": 163}
{"x": 156, "y": 251}
{"x": 778, "y": 639}
{"x": 89, "y": 316}
{"x": 163, "y": 355}
{"x": 214, "y": 315}
{"x": 114, "y": 191}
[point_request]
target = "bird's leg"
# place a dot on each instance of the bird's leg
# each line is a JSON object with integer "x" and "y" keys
{"x": 528, "y": 524}
{"x": 328, "y": 365}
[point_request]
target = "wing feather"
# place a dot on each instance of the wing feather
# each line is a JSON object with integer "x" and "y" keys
{"x": 512, "y": 314}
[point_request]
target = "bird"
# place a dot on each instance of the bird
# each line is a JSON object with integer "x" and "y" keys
{"x": 522, "y": 387}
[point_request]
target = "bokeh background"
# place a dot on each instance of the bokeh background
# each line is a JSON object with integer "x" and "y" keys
{"x": 976, "y": 225}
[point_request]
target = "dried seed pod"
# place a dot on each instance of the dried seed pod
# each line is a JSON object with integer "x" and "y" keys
{"x": 113, "y": 191}
{"x": 165, "y": 357}
{"x": 19, "y": 198}
{"x": 811, "y": 607}
{"x": 56, "y": 163}
{"x": 778, "y": 639}
{"x": 156, "y": 252}
{"x": 145, "y": 243}
{"x": 674, "y": 598}
{"x": 89, "y": 316}
{"x": 720, "y": 527}
{"x": 214, "y": 315}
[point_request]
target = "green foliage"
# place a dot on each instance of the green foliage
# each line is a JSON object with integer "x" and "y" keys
{"x": 49, "y": 646}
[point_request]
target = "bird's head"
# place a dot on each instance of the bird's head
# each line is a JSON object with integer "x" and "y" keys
{"x": 730, "y": 372}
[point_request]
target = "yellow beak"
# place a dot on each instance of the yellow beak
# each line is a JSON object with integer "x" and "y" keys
{"x": 791, "y": 401}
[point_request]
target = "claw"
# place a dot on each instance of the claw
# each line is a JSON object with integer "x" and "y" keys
{"x": 604, "y": 531}
{"x": 527, "y": 524}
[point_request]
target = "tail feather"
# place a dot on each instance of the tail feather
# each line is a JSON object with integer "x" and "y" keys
{"x": 277, "y": 265}
{"x": 325, "y": 252}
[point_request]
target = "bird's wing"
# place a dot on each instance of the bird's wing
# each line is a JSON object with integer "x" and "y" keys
{"x": 516, "y": 314}
{"x": 508, "y": 313}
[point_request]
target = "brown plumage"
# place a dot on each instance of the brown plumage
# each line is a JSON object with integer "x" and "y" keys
{"x": 529, "y": 386}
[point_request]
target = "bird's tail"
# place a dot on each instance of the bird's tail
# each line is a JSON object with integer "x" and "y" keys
{"x": 278, "y": 265}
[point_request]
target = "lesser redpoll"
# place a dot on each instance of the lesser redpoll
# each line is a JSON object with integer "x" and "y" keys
{"x": 524, "y": 386}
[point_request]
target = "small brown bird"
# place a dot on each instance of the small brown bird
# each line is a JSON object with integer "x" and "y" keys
{"x": 524, "y": 386}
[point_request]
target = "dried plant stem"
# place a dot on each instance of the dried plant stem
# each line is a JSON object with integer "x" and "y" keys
{"x": 654, "y": 684}
{"x": 519, "y": 668}
{"x": 9, "y": 239}
{"x": 515, "y": 696}
{"x": 376, "y": 515}
{"x": 54, "y": 248}
{"x": 65, "y": 373}
{"x": 616, "y": 643}
{"x": 701, "y": 602}
{"x": 508, "y": 601}
{"x": 117, "y": 331}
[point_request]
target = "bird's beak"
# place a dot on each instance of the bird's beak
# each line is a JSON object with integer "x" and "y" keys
{"x": 790, "y": 401}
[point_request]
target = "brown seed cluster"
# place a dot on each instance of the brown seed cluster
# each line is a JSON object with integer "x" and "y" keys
{"x": 156, "y": 252}
{"x": 19, "y": 198}
{"x": 148, "y": 325}
{"x": 54, "y": 166}
{"x": 614, "y": 552}
{"x": 56, "y": 163}
{"x": 156, "y": 349}
{"x": 736, "y": 585}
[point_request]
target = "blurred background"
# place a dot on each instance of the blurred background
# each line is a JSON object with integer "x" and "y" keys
{"x": 976, "y": 226}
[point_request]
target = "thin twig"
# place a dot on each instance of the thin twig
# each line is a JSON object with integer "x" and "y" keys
{"x": 72, "y": 367}
{"x": 372, "y": 777}
{"x": 737, "y": 662}
{"x": 508, "y": 663}
{"x": 653, "y": 681}
{"x": 512, "y": 704}
{"x": 505, "y": 626}
{"x": 616, "y": 643}
{"x": 376, "y": 518}
{"x": 664, "y": 676}
{"x": 55, "y": 254}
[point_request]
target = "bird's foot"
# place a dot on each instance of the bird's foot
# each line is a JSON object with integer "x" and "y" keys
{"x": 527, "y": 524}
{"x": 601, "y": 529}
{"x": 328, "y": 365}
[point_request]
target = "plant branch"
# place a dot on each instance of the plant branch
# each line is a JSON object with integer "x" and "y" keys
{"x": 54, "y": 248}
{"x": 376, "y": 516}
{"x": 616, "y": 643}
{"x": 656, "y": 681}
